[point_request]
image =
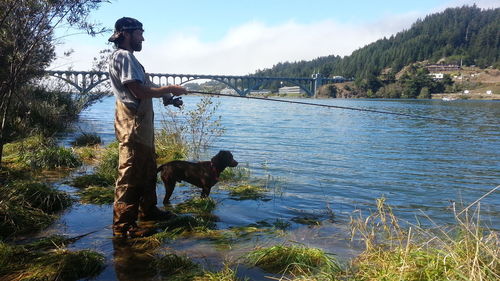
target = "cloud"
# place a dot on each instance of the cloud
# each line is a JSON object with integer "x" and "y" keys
{"x": 254, "y": 45}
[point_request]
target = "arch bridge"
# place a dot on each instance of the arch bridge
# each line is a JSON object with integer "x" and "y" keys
{"x": 84, "y": 81}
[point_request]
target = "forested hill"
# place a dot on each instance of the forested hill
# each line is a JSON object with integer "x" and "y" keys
{"x": 468, "y": 34}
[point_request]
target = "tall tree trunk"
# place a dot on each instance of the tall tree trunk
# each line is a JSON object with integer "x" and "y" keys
{"x": 4, "y": 116}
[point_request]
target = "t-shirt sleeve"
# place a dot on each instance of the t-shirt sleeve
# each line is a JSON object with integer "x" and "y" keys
{"x": 131, "y": 70}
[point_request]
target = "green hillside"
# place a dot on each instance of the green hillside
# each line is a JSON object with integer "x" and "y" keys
{"x": 467, "y": 35}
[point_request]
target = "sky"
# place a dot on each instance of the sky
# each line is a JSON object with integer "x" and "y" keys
{"x": 241, "y": 37}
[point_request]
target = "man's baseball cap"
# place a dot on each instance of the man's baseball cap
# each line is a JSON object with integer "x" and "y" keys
{"x": 124, "y": 24}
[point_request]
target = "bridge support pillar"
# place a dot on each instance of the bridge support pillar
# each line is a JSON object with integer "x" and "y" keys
{"x": 317, "y": 83}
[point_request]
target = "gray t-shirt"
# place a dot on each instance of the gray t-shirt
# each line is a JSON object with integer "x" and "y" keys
{"x": 125, "y": 68}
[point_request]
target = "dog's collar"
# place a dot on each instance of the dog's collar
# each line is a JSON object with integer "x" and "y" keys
{"x": 215, "y": 171}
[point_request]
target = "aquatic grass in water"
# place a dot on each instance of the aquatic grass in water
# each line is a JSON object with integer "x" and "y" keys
{"x": 87, "y": 140}
{"x": 176, "y": 267}
{"x": 18, "y": 219}
{"x": 46, "y": 260}
{"x": 27, "y": 207}
{"x": 51, "y": 158}
{"x": 63, "y": 265}
{"x": 196, "y": 206}
{"x": 107, "y": 167}
{"x": 40, "y": 196}
{"x": 97, "y": 195}
{"x": 88, "y": 154}
{"x": 226, "y": 274}
{"x": 40, "y": 152}
{"x": 92, "y": 180}
{"x": 235, "y": 174}
{"x": 298, "y": 260}
{"x": 307, "y": 220}
{"x": 246, "y": 192}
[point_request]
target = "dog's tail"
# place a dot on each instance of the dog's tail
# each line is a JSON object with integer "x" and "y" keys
{"x": 160, "y": 168}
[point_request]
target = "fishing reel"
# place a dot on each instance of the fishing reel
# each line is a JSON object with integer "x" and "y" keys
{"x": 175, "y": 101}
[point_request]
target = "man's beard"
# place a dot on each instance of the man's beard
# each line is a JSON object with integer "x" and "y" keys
{"x": 136, "y": 46}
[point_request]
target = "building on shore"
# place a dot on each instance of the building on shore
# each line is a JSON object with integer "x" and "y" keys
{"x": 294, "y": 90}
{"x": 229, "y": 91}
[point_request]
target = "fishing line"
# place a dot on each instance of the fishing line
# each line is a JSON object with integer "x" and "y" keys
{"x": 325, "y": 105}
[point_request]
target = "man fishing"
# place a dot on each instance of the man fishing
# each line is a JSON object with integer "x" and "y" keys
{"x": 135, "y": 191}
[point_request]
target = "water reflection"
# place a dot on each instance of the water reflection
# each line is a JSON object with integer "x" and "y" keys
{"x": 131, "y": 261}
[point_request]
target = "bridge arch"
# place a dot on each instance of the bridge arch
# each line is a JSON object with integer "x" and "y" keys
{"x": 84, "y": 81}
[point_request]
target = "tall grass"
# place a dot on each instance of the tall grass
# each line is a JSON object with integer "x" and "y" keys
{"x": 466, "y": 251}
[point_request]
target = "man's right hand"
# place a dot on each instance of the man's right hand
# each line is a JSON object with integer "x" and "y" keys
{"x": 177, "y": 90}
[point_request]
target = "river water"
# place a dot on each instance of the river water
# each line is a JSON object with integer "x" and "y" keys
{"x": 327, "y": 163}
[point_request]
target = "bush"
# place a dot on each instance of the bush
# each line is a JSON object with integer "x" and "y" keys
{"x": 424, "y": 93}
{"x": 199, "y": 129}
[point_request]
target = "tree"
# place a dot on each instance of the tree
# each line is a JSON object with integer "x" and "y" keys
{"x": 27, "y": 45}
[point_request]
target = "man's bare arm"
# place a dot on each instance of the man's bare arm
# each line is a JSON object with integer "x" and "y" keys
{"x": 141, "y": 91}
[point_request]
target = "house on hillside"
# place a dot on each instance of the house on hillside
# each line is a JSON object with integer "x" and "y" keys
{"x": 442, "y": 67}
{"x": 436, "y": 76}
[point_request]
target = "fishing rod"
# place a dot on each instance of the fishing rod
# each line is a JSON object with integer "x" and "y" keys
{"x": 324, "y": 105}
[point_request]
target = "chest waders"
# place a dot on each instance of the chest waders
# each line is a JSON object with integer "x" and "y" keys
{"x": 135, "y": 191}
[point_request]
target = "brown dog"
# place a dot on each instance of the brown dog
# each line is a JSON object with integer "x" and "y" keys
{"x": 203, "y": 174}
